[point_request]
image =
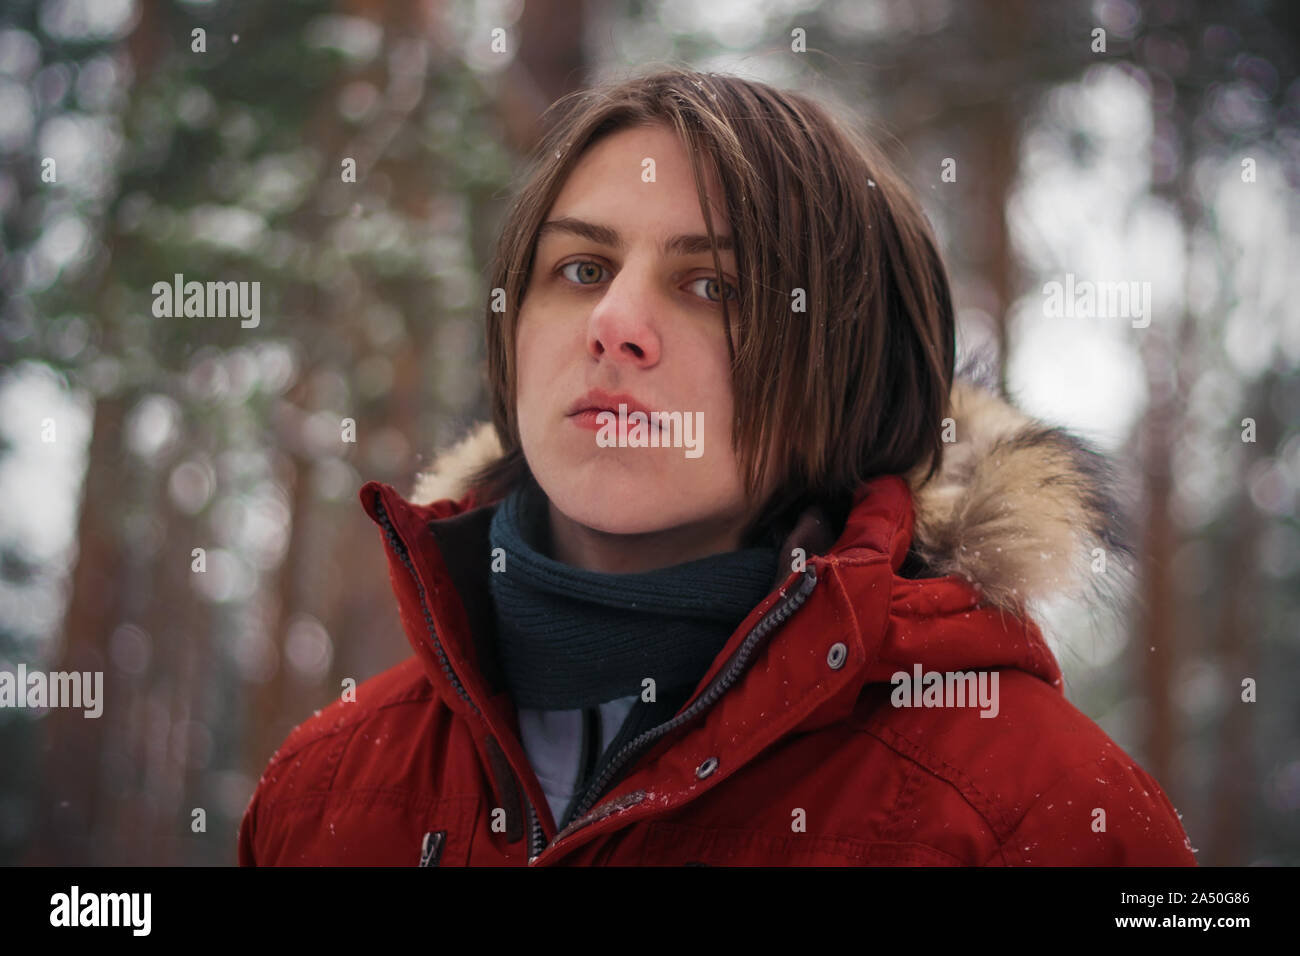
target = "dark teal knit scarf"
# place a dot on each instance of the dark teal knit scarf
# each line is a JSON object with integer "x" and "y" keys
{"x": 570, "y": 638}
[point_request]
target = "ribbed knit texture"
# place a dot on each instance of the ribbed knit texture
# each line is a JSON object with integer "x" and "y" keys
{"x": 569, "y": 638}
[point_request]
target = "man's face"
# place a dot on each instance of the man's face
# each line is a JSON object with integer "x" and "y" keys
{"x": 631, "y": 319}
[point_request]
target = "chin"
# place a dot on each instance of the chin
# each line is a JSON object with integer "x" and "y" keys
{"x": 620, "y": 505}
{"x": 624, "y": 491}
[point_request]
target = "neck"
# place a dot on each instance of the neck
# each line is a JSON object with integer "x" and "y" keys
{"x": 583, "y": 547}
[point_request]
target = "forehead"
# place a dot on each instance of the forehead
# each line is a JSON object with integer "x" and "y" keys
{"x": 612, "y": 178}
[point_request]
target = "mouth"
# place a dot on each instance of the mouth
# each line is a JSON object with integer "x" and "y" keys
{"x": 589, "y": 411}
{"x": 591, "y": 418}
{"x": 596, "y": 401}
{"x": 601, "y": 419}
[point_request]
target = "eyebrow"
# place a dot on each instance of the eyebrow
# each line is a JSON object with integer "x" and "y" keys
{"x": 684, "y": 245}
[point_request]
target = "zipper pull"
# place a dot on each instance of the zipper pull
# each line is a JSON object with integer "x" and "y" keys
{"x": 431, "y": 849}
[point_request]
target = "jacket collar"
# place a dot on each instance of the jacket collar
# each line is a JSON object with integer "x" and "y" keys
{"x": 440, "y": 559}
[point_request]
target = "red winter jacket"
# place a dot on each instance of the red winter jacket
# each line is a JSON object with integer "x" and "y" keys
{"x": 795, "y": 748}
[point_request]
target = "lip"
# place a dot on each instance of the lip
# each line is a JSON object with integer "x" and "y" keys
{"x": 601, "y": 401}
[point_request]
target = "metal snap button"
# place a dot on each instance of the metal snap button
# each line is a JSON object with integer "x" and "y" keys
{"x": 838, "y": 654}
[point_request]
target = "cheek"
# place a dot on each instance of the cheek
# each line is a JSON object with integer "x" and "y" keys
{"x": 530, "y": 360}
{"x": 524, "y": 352}
{"x": 714, "y": 368}
{"x": 540, "y": 355}
{"x": 526, "y": 380}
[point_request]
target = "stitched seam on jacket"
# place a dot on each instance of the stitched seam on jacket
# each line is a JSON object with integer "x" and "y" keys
{"x": 893, "y": 825}
{"x": 1001, "y": 851}
{"x": 401, "y": 798}
{"x": 843, "y": 593}
{"x": 732, "y": 842}
{"x": 873, "y": 557}
{"x": 281, "y": 756}
{"x": 979, "y": 801}
{"x": 343, "y": 750}
{"x": 911, "y": 587}
{"x": 1070, "y": 771}
{"x": 264, "y": 788}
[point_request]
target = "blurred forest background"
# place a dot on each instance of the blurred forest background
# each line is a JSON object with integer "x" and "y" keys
{"x": 1171, "y": 156}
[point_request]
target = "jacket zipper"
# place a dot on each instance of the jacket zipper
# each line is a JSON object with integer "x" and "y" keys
{"x": 536, "y": 836}
{"x": 399, "y": 547}
{"x": 776, "y": 615}
{"x": 431, "y": 849}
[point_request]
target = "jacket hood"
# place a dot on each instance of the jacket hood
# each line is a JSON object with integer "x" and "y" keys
{"x": 1018, "y": 507}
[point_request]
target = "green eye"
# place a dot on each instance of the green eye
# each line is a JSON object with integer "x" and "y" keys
{"x": 583, "y": 262}
{"x": 712, "y": 287}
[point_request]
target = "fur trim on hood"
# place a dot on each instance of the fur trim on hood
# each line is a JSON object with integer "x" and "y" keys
{"x": 1018, "y": 507}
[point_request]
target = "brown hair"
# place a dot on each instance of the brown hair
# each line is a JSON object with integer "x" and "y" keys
{"x": 854, "y": 387}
